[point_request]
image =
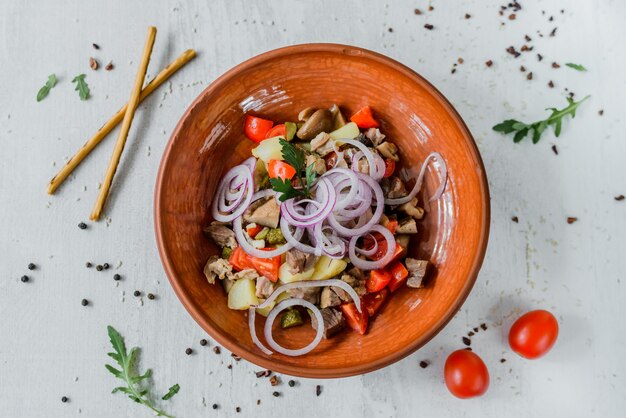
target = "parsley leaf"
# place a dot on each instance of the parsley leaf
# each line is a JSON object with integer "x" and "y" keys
{"x": 43, "y": 92}
{"x": 294, "y": 156}
{"x": 128, "y": 373}
{"x": 577, "y": 67}
{"x": 556, "y": 118}
{"x": 81, "y": 86}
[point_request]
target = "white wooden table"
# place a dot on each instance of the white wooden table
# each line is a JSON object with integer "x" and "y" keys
{"x": 51, "y": 346}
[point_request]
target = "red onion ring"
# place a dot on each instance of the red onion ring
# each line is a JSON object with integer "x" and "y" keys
{"x": 242, "y": 240}
{"x": 418, "y": 183}
{"x": 234, "y": 209}
{"x": 375, "y": 167}
{"x": 326, "y": 197}
{"x": 274, "y": 313}
{"x": 384, "y": 260}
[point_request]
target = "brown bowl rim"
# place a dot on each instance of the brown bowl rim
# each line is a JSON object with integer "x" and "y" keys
{"x": 342, "y": 371}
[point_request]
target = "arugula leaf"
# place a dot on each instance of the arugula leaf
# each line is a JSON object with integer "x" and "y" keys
{"x": 43, "y": 92}
{"x": 128, "y": 373}
{"x": 294, "y": 156}
{"x": 171, "y": 392}
{"x": 577, "y": 67}
{"x": 556, "y": 119}
{"x": 81, "y": 86}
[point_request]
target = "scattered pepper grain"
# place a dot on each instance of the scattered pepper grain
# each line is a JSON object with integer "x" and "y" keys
{"x": 424, "y": 364}
{"x": 291, "y": 383}
{"x": 151, "y": 296}
{"x": 502, "y": 360}
{"x": 93, "y": 63}
{"x": 88, "y": 265}
{"x": 188, "y": 351}
{"x": 551, "y": 84}
{"x": 95, "y": 46}
{"x": 539, "y": 57}
{"x": 417, "y": 11}
{"x": 24, "y": 279}
{"x": 109, "y": 66}
{"x": 137, "y": 293}
{"x": 318, "y": 390}
{"x": 483, "y": 326}
{"x": 216, "y": 350}
{"x": 516, "y": 220}
{"x": 529, "y": 76}
{"x": 238, "y": 409}
{"x": 619, "y": 198}
{"x": 274, "y": 380}
{"x": 99, "y": 267}
{"x": 489, "y": 63}
{"x": 117, "y": 277}
{"x": 555, "y": 150}
{"x": 555, "y": 65}
{"x": 429, "y": 26}
{"x": 276, "y": 394}
{"x": 468, "y": 16}
{"x": 203, "y": 342}
{"x": 64, "y": 399}
{"x": 84, "y": 302}
{"x": 82, "y": 225}
{"x": 106, "y": 266}
{"x": 467, "y": 341}
{"x": 215, "y": 406}
{"x": 32, "y": 266}
{"x": 600, "y": 112}
{"x": 571, "y": 219}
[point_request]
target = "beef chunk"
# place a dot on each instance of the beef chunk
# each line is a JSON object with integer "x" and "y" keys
{"x": 375, "y": 136}
{"x": 310, "y": 294}
{"x": 264, "y": 212}
{"x": 417, "y": 271}
{"x": 388, "y": 150}
{"x": 299, "y": 261}
{"x": 221, "y": 235}
{"x": 407, "y": 226}
{"x": 354, "y": 278}
{"x": 264, "y": 287}
{"x": 217, "y": 267}
{"x": 319, "y": 165}
{"x": 396, "y": 188}
{"x": 333, "y": 321}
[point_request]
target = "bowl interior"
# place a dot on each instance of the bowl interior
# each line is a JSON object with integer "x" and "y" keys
{"x": 209, "y": 140}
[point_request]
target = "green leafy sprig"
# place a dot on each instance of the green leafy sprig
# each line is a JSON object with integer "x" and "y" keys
{"x": 43, "y": 92}
{"x": 81, "y": 86}
{"x": 294, "y": 156}
{"x": 577, "y": 67}
{"x": 523, "y": 129}
{"x": 128, "y": 373}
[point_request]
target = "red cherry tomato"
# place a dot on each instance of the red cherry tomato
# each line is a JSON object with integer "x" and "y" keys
{"x": 365, "y": 119}
{"x": 256, "y": 128}
{"x": 356, "y": 320}
{"x": 378, "y": 280}
{"x": 534, "y": 334}
{"x": 278, "y": 130}
{"x": 280, "y": 169}
{"x": 390, "y": 167}
{"x": 465, "y": 374}
{"x": 372, "y": 302}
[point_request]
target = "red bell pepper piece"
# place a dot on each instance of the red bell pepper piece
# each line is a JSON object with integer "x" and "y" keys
{"x": 278, "y": 130}
{"x": 399, "y": 273}
{"x": 256, "y": 128}
{"x": 280, "y": 169}
{"x": 378, "y": 280}
{"x": 252, "y": 231}
{"x": 356, "y": 320}
{"x": 390, "y": 167}
{"x": 392, "y": 225}
{"x": 364, "y": 118}
{"x": 268, "y": 267}
{"x": 372, "y": 302}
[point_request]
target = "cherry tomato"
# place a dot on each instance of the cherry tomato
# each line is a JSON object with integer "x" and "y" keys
{"x": 278, "y": 130}
{"x": 392, "y": 225}
{"x": 465, "y": 374}
{"x": 378, "y": 280}
{"x": 372, "y": 302}
{"x": 356, "y": 320}
{"x": 390, "y": 167}
{"x": 280, "y": 169}
{"x": 365, "y": 119}
{"x": 256, "y": 128}
{"x": 399, "y": 274}
{"x": 534, "y": 334}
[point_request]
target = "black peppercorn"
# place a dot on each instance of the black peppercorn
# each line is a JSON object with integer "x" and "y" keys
{"x": 137, "y": 293}
{"x": 291, "y": 383}
{"x": 318, "y": 390}
{"x": 84, "y": 302}
{"x": 424, "y": 364}
{"x": 31, "y": 266}
{"x": 216, "y": 350}
{"x": 215, "y": 406}
{"x": 238, "y": 409}
{"x": 276, "y": 394}
{"x": 188, "y": 351}
{"x": 64, "y": 399}
{"x": 151, "y": 296}
{"x": 106, "y": 266}
{"x": 203, "y": 342}
{"x": 467, "y": 341}
{"x": 88, "y": 265}
{"x": 99, "y": 267}
{"x": 117, "y": 277}
{"x": 25, "y": 279}
{"x": 82, "y": 225}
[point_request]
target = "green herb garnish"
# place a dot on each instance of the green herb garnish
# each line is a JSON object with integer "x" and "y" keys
{"x": 81, "y": 86}
{"x": 577, "y": 67}
{"x": 128, "y": 373}
{"x": 294, "y": 156}
{"x": 556, "y": 118}
{"x": 43, "y": 92}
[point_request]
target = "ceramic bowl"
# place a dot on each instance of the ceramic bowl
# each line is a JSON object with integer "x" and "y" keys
{"x": 209, "y": 140}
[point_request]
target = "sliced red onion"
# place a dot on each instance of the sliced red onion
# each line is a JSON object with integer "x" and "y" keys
{"x": 252, "y": 328}
{"x": 377, "y": 171}
{"x": 274, "y": 313}
{"x": 312, "y": 283}
{"x": 338, "y": 153}
{"x": 293, "y": 239}
{"x": 378, "y": 192}
{"x": 384, "y": 260}
{"x": 370, "y": 252}
{"x": 325, "y": 196}
{"x": 248, "y": 247}
{"x": 418, "y": 183}
{"x": 331, "y": 245}
{"x": 225, "y": 211}
{"x": 374, "y": 165}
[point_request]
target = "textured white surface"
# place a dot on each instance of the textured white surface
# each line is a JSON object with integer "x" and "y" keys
{"x": 51, "y": 346}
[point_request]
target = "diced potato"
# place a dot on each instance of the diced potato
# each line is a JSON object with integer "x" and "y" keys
{"x": 242, "y": 295}
{"x": 286, "y": 277}
{"x": 269, "y": 149}
{"x": 347, "y": 131}
{"x": 266, "y": 311}
{"x": 327, "y": 267}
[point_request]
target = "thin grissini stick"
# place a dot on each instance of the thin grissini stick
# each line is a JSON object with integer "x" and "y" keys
{"x": 128, "y": 120}
{"x": 165, "y": 74}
